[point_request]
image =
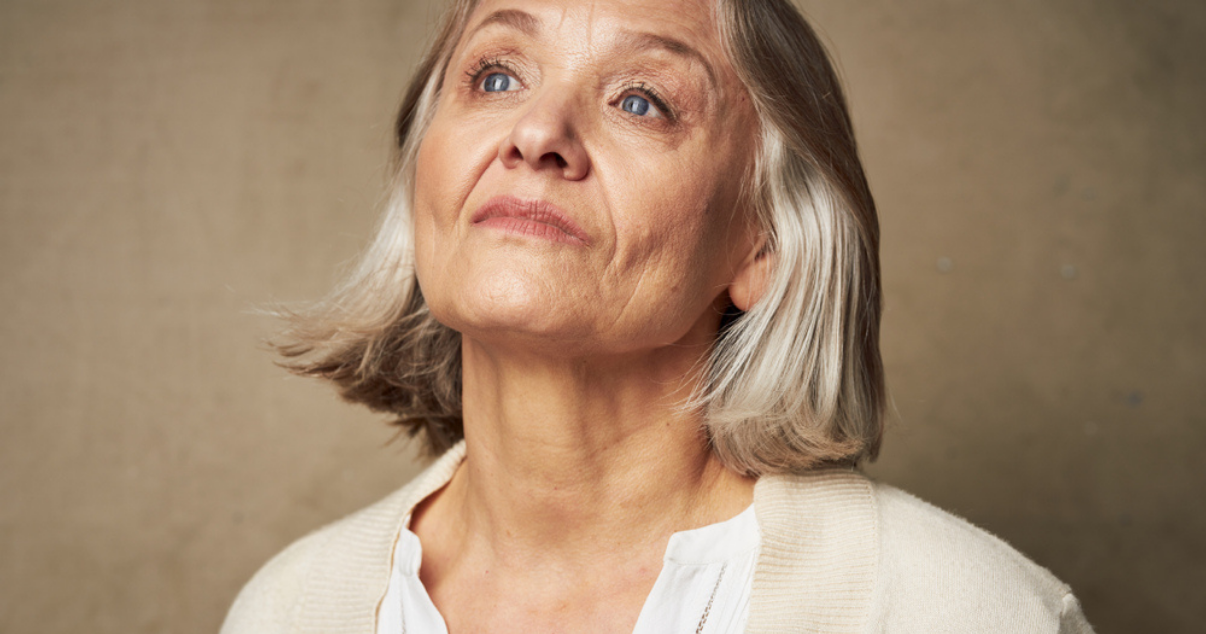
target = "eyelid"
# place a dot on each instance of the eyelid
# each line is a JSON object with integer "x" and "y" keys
{"x": 484, "y": 66}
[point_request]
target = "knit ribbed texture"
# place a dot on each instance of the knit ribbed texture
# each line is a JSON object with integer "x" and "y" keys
{"x": 344, "y": 568}
{"x": 357, "y": 560}
{"x": 820, "y": 549}
{"x": 839, "y": 554}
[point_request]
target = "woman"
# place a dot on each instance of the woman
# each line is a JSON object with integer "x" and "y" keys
{"x": 628, "y": 287}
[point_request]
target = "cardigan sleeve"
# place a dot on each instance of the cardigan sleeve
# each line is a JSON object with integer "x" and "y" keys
{"x": 271, "y": 601}
{"x": 940, "y": 573}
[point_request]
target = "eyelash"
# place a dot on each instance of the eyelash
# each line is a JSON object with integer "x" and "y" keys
{"x": 475, "y": 74}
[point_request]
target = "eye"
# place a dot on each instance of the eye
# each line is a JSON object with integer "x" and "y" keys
{"x": 499, "y": 82}
{"x": 641, "y": 100}
{"x": 639, "y": 106}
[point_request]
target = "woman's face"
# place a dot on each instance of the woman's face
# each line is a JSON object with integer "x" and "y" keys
{"x": 578, "y": 187}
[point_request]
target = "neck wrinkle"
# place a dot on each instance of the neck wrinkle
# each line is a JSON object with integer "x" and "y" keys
{"x": 570, "y": 459}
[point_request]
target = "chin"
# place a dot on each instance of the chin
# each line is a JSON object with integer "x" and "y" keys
{"x": 506, "y": 307}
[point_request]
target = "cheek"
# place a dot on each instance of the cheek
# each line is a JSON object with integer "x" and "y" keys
{"x": 455, "y": 152}
{"x": 436, "y": 205}
{"x": 678, "y": 220}
{"x": 443, "y": 177}
{"x": 425, "y": 205}
{"x": 433, "y": 164}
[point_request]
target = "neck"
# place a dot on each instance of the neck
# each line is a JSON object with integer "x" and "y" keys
{"x": 568, "y": 458}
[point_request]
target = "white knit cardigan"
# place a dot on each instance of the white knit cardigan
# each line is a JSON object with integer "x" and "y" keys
{"x": 839, "y": 554}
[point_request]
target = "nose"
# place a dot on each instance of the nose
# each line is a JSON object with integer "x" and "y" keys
{"x": 546, "y": 138}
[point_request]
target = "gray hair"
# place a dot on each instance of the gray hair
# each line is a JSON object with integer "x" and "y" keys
{"x": 793, "y": 383}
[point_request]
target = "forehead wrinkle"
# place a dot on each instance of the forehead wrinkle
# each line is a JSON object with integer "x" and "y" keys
{"x": 590, "y": 21}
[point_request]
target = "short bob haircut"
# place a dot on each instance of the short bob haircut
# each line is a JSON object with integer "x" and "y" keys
{"x": 794, "y": 383}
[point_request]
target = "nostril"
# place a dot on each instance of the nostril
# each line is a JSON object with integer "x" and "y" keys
{"x": 561, "y": 162}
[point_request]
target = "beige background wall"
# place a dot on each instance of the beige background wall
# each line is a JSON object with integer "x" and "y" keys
{"x": 165, "y": 167}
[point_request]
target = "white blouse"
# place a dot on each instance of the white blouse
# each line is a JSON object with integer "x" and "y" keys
{"x": 704, "y": 586}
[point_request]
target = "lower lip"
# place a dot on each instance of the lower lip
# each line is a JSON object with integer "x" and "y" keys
{"x": 530, "y": 228}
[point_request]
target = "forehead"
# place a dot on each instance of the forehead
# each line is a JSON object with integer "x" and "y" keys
{"x": 689, "y": 21}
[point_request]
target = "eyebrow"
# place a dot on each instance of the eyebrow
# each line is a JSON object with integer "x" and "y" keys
{"x": 521, "y": 21}
{"x": 643, "y": 41}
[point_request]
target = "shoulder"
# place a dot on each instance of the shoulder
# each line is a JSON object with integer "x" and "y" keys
{"x": 937, "y": 569}
{"x": 271, "y": 599}
{"x": 876, "y": 559}
{"x": 332, "y": 579}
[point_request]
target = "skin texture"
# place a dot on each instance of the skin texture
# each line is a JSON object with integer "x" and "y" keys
{"x": 578, "y": 348}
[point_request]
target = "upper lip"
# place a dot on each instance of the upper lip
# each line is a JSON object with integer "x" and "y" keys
{"x": 534, "y": 210}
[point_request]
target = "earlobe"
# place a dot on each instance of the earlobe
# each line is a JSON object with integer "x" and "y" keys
{"x": 752, "y": 279}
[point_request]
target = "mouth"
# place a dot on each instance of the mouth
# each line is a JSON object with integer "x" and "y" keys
{"x": 534, "y": 218}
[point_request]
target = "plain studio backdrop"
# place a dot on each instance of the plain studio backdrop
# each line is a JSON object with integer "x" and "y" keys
{"x": 167, "y": 167}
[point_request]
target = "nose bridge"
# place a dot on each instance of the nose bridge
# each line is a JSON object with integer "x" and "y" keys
{"x": 549, "y": 116}
{"x": 547, "y": 134}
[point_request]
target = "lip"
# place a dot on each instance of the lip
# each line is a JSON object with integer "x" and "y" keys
{"x": 535, "y": 218}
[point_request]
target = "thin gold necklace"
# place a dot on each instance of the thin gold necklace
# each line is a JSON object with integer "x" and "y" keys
{"x": 708, "y": 608}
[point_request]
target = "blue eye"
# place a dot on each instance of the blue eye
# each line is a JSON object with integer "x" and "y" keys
{"x": 499, "y": 82}
{"x": 637, "y": 105}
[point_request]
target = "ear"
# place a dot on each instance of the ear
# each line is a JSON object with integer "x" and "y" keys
{"x": 753, "y": 276}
